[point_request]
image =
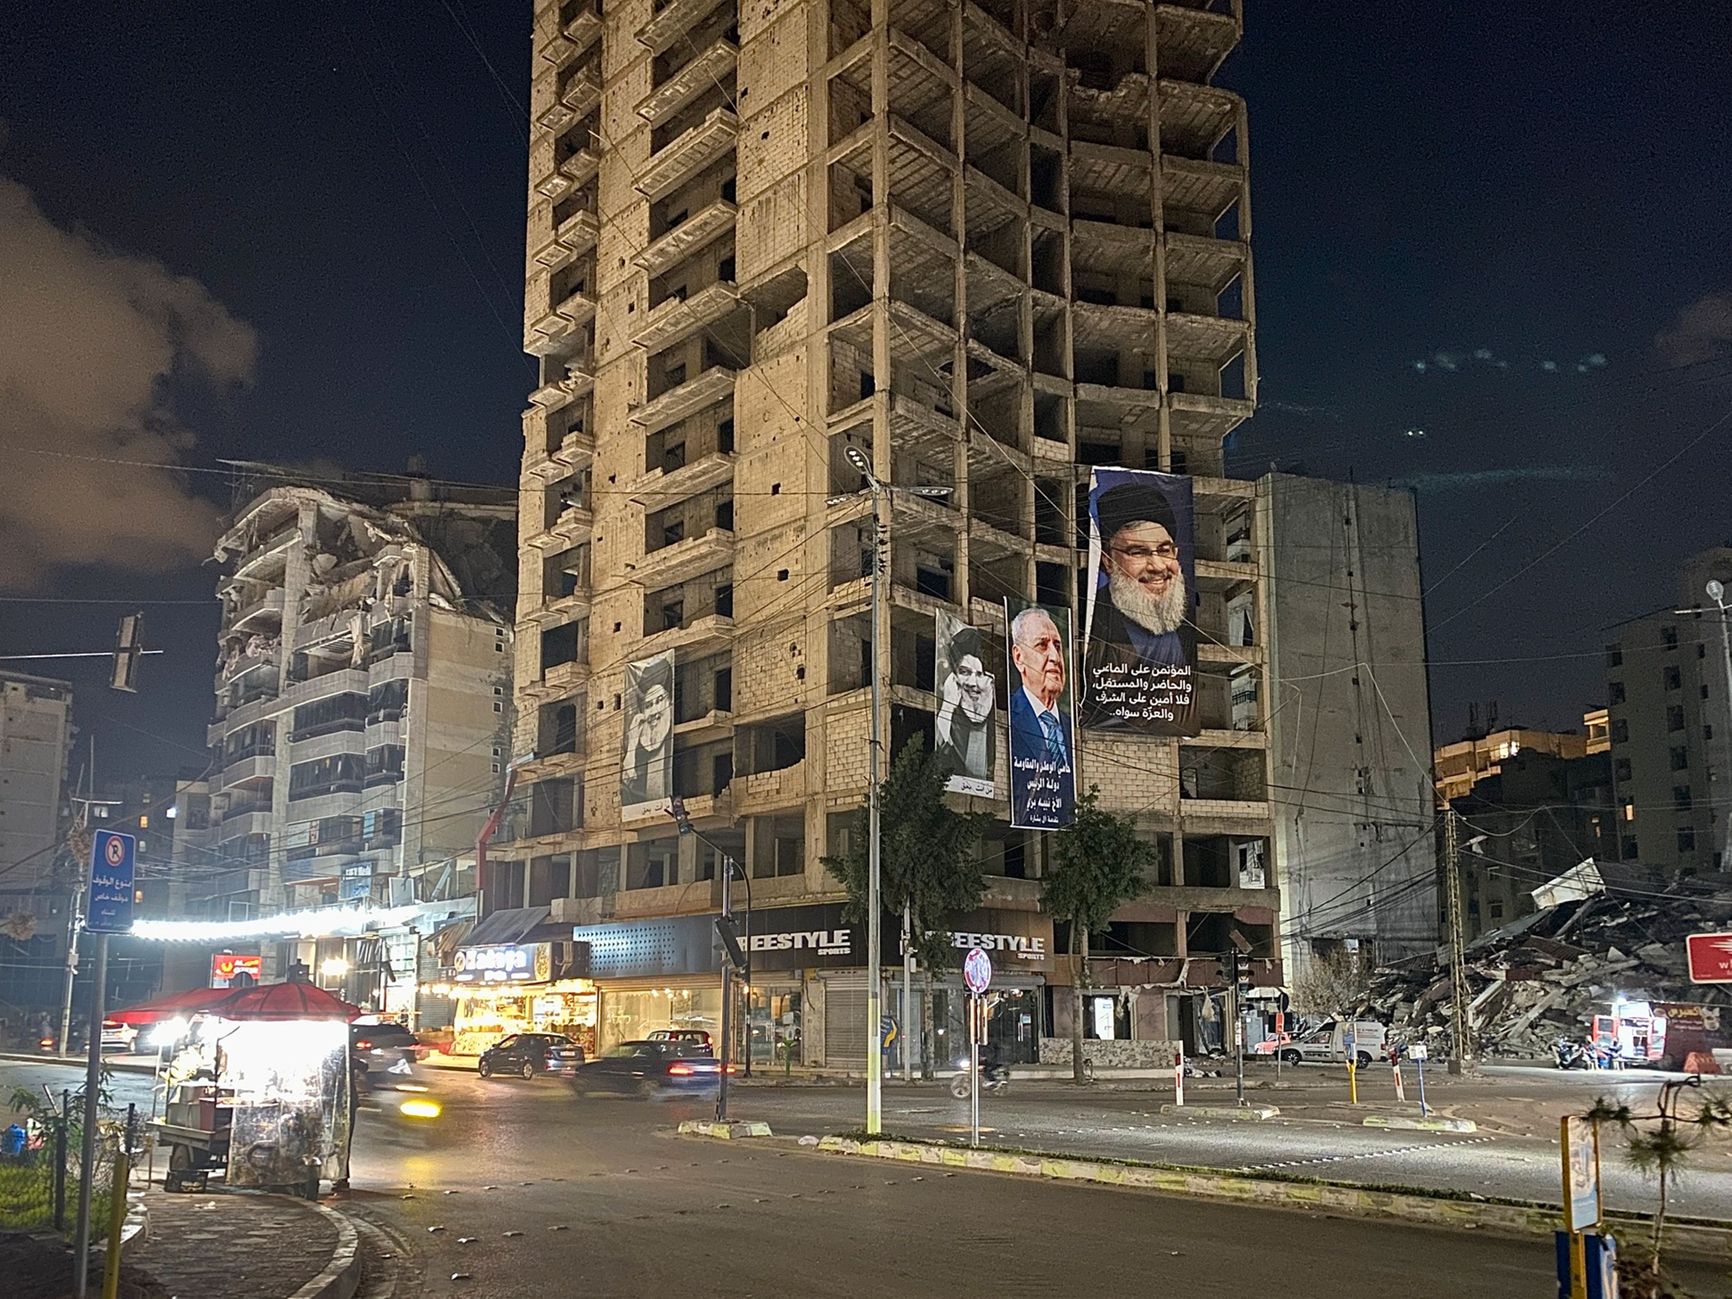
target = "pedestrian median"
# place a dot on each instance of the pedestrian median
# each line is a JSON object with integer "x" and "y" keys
{"x": 1408, "y": 1205}
{"x": 731, "y": 1131}
{"x": 1232, "y": 1113}
{"x": 1433, "y": 1124}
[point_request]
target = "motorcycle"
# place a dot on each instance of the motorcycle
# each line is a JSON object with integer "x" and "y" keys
{"x": 1571, "y": 1054}
{"x": 993, "y": 1078}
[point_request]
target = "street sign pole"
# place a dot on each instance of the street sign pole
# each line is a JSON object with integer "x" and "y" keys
{"x": 1179, "y": 1076}
{"x": 974, "y": 1069}
{"x": 87, "y": 1152}
{"x": 108, "y": 910}
{"x": 977, "y": 975}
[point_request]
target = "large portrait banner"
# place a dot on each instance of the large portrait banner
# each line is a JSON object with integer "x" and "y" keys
{"x": 1140, "y": 643}
{"x": 965, "y": 730}
{"x": 646, "y": 766}
{"x": 1042, "y": 729}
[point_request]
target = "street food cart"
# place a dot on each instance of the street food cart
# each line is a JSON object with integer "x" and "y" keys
{"x": 257, "y": 1084}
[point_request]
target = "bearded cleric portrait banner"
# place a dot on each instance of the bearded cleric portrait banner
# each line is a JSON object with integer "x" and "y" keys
{"x": 964, "y": 731}
{"x": 1042, "y": 733}
{"x": 1140, "y": 644}
{"x": 646, "y": 766}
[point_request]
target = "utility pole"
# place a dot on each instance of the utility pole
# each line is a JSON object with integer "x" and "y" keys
{"x": 81, "y": 853}
{"x": 1461, "y": 1017}
{"x": 874, "y": 881}
{"x": 881, "y": 494}
{"x": 683, "y": 823}
{"x": 907, "y": 992}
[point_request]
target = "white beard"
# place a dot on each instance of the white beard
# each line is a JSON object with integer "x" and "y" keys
{"x": 1158, "y": 614}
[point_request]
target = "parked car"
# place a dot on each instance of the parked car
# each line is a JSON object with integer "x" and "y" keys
{"x": 689, "y": 1036}
{"x": 1328, "y": 1043}
{"x": 650, "y": 1068}
{"x": 118, "y": 1037}
{"x": 528, "y": 1054}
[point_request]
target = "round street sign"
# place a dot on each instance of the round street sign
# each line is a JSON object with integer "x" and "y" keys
{"x": 976, "y": 971}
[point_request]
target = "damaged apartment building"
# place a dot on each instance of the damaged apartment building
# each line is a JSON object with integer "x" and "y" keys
{"x": 989, "y": 244}
{"x": 363, "y": 711}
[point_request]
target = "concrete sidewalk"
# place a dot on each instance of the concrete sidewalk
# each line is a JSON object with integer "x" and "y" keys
{"x": 242, "y": 1245}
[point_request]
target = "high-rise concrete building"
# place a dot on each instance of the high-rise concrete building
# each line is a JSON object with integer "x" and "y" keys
{"x": 1666, "y": 691}
{"x": 1351, "y": 731}
{"x": 990, "y": 245}
{"x": 363, "y": 706}
{"x": 35, "y": 736}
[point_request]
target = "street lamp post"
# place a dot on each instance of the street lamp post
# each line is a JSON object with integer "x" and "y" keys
{"x": 881, "y": 494}
{"x": 677, "y": 810}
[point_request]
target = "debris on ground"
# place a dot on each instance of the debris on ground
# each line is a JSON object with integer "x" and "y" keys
{"x": 1547, "y": 974}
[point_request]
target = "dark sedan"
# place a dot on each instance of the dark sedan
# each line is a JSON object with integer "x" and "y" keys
{"x": 527, "y": 1054}
{"x": 650, "y": 1070}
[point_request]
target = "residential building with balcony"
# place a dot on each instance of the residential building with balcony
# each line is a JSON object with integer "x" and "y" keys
{"x": 992, "y": 245}
{"x": 1667, "y": 680}
{"x": 363, "y": 692}
{"x": 36, "y": 733}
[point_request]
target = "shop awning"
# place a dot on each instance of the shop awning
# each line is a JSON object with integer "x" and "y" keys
{"x": 180, "y": 1005}
{"x": 506, "y": 927}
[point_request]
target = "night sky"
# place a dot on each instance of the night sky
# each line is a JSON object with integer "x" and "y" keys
{"x": 1493, "y": 260}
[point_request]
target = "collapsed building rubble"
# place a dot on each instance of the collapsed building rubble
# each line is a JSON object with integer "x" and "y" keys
{"x": 1547, "y": 974}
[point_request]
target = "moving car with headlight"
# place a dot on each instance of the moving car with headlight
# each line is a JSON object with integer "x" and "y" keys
{"x": 651, "y": 1070}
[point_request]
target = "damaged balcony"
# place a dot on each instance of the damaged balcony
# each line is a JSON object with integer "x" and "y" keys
{"x": 564, "y": 242}
{"x": 1213, "y": 341}
{"x": 261, "y": 614}
{"x": 569, "y": 527}
{"x": 711, "y": 66}
{"x": 694, "y": 614}
{"x": 1191, "y": 42}
{"x": 577, "y": 28}
{"x": 577, "y": 381}
{"x": 700, "y": 228}
{"x": 671, "y": 19}
{"x": 687, "y": 558}
{"x": 661, "y": 487}
{"x": 677, "y": 317}
{"x": 1201, "y": 197}
{"x": 688, "y": 153}
{"x": 1110, "y": 182}
{"x": 1195, "y": 120}
{"x": 706, "y": 389}
{"x": 580, "y": 88}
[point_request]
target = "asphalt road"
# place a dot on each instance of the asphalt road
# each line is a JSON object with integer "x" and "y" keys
{"x": 526, "y": 1191}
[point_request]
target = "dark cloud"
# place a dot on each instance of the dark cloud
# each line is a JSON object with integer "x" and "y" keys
{"x": 93, "y": 342}
{"x": 1702, "y": 331}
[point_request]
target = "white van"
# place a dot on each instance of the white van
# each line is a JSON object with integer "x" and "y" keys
{"x": 1329, "y": 1043}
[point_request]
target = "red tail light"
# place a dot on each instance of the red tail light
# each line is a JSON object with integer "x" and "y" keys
{"x": 679, "y": 1070}
{"x": 733, "y": 1068}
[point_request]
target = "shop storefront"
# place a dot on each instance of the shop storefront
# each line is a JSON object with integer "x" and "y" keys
{"x": 805, "y": 1001}
{"x": 521, "y": 980}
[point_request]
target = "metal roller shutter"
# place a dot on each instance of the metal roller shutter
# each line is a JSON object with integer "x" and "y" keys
{"x": 844, "y": 1024}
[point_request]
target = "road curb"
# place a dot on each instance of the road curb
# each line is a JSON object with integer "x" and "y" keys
{"x": 342, "y": 1276}
{"x": 723, "y": 1131}
{"x": 1420, "y": 1125}
{"x": 78, "y": 1062}
{"x": 1235, "y": 1113}
{"x": 1333, "y": 1197}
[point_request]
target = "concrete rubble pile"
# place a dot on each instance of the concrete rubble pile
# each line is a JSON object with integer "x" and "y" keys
{"x": 1547, "y": 974}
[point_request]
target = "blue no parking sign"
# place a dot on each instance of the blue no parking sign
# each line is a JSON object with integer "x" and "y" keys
{"x": 109, "y": 910}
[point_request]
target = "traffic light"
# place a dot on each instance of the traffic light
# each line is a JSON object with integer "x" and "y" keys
{"x": 126, "y": 653}
{"x": 677, "y": 810}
